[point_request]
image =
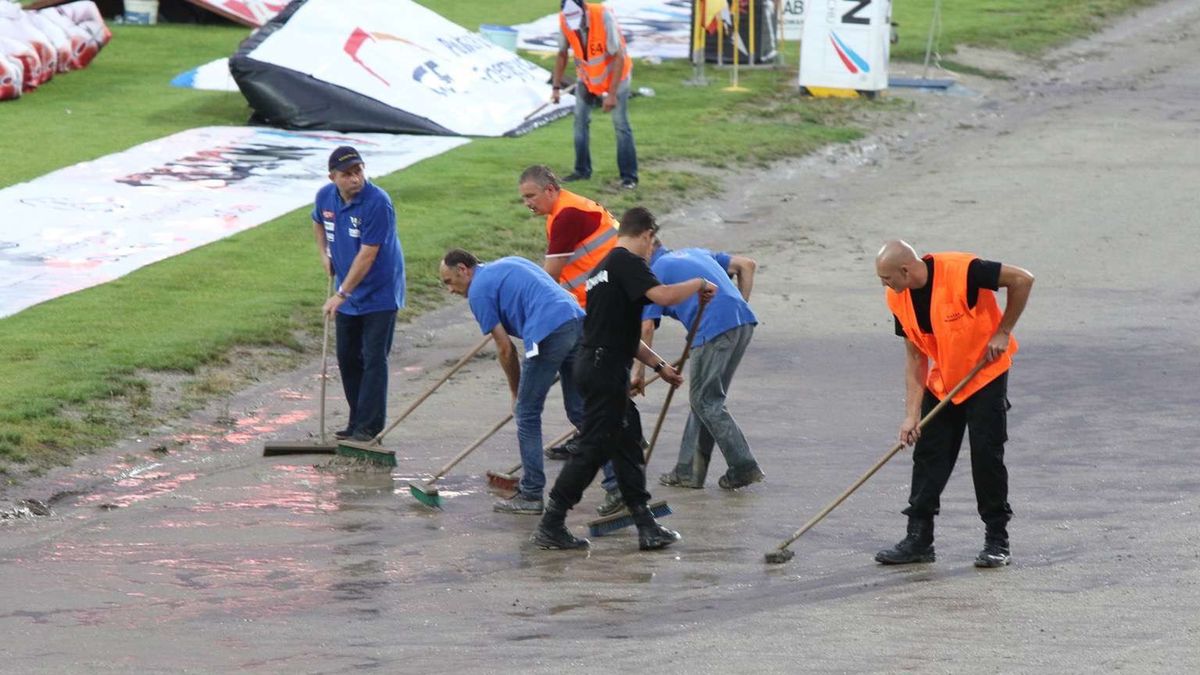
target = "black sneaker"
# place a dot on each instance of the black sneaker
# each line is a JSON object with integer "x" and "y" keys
{"x": 362, "y": 437}
{"x": 562, "y": 452}
{"x": 573, "y": 176}
{"x": 343, "y": 434}
{"x": 672, "y": 479}
{"x": 612, "y": 503}
{"x": 994, "y": 554}
{"x": 732, "y": 481}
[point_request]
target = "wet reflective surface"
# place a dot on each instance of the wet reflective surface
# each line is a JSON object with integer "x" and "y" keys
{"x": 207, "y": 557}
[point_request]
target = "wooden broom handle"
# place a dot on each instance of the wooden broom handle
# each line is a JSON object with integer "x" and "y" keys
{"x": 434, "y": 387}
{"x": 687, "y": 349}
{"x": 882, "y": 460}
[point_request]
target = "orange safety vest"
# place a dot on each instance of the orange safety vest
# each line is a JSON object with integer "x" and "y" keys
{"x": 590, "y": 251}
{"x": 960, "y": 333}
{"x": 595, "y": 68}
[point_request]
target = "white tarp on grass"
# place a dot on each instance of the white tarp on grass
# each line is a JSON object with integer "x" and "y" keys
{"x": 99, "y": 220}
{"x": 657, "y": 28}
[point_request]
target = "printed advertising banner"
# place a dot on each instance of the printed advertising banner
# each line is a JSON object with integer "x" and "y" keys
{"x": 845, "y": 44}
{"x": 94, "y": 222}
{"x": 388, "y": 65}
{"x": 654, "y": 28}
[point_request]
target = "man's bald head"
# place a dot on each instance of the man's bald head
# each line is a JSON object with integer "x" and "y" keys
{"x": 899, "y": 267}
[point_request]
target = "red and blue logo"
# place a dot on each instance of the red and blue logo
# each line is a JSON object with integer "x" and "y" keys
{"x": 849, "y": 57}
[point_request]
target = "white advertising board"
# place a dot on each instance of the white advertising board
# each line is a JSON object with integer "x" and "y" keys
{"x": 412, "y": 59}
{"x": 793, "y": 19}
{"x": 94, "y": 222}
{"x": 845, "y": 44}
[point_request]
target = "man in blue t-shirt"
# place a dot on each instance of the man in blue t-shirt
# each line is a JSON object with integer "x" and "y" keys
{"x": 355, "y": 228}
{"x": 724, "y": 333}
{"x": 513, "y": 297}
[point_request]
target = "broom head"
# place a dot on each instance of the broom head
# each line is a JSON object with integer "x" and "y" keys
{"x": 298, "y": 448}
{"x": 426, "y": 494}
{"x": 623, "y": 519}
{"x": 367, "y": 452}
{"x": 503, "y": 482}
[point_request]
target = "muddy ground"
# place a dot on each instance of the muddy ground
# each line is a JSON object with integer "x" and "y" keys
{"x": 202, "y": 556}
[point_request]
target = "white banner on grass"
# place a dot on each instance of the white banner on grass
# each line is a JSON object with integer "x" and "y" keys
{"x": 658, "y": 28}
{"x": 94, "y": 222}
{"x": 412, "y": 59}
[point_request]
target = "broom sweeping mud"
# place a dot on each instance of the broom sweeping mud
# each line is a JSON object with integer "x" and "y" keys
{"x": 427, "y": 492}
{"x": 506, "y": 481}
{"x": 782, "y": 553}
{"x": 310, "y": 448}
{"x": 622, "y": 519}
{"x": 372, "y": 452}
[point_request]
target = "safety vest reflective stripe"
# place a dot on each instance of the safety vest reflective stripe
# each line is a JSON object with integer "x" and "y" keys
{"x": 575, "y": 282}
{"x": 592, "y": 245}
{"x": 589, "y": 252}
{"x": 595, "y": 72}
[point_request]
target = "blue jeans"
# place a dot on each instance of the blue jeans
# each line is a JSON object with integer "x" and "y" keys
{"x": 363, "y": 344}
{"x": 709, "y": 423}
{"x": 626, "y": 151}
{"x": 556, "y": 356}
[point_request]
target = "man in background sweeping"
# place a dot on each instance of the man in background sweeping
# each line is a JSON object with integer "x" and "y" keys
{"x": 721, "y": 339}
{"x": 618, "y": 289}
{"x": 512, "y": 297}
{"x": 579, "y": 233}
{"x": 602, "y": 70}
{"x": 355, "y": 229}
{"x": 944, "y": 304}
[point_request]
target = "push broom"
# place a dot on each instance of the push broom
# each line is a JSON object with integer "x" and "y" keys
{"x": 782, "y": 553}
{"x": 372, "y": 451}
{"x": 622, "y": 519}
{"x": 506, "y": 481}
{"x": 310, "y": 448}
{"x": 427, "y": 492}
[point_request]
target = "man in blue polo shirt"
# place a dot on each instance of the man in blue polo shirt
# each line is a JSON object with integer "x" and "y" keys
{"x": 512, "y": 297}
{"x": 721, "y": 340}
{"x": 355, "y": 228}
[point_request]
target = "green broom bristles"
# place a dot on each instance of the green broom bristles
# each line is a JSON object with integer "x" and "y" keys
{"x": 426, "y": 494}
{"x": 623, "y": 519}
{"x": 373, "y": 455}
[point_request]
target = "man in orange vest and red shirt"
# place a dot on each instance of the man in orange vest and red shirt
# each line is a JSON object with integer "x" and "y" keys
{"x": 579, "y": 234}
{"x": 603, "y": 69}
{"x": 945, "y": 306}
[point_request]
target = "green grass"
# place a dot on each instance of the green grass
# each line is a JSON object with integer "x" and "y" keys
{"x": 1022, "y": 26}
{"x": 74, "y": 369}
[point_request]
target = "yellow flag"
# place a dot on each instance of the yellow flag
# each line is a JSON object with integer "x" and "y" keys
{"x": 710, "y": 9}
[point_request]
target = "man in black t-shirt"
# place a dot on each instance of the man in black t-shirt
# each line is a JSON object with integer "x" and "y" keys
{"x": 617, "y": 290}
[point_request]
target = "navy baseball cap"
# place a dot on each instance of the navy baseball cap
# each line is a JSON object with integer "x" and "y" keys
{"x": 343, "y": 158}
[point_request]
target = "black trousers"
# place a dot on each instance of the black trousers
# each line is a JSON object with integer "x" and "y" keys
{"x": 612, "y": 430}
{"x": 984, "y": 417}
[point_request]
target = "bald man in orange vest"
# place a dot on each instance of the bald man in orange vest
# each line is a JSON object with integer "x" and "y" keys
{"x": 944, "y": 305}
{"x": 602, "y": 69}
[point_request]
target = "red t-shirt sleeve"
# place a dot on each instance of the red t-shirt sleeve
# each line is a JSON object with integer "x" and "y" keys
{"x": 569, "y": 229}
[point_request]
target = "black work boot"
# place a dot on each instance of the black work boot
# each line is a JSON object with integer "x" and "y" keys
{"x": 995, "y": 548}
{"x": 552, "y": 532}
{"x": 651, "y": 535}
{"x": 917, "y": 547}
